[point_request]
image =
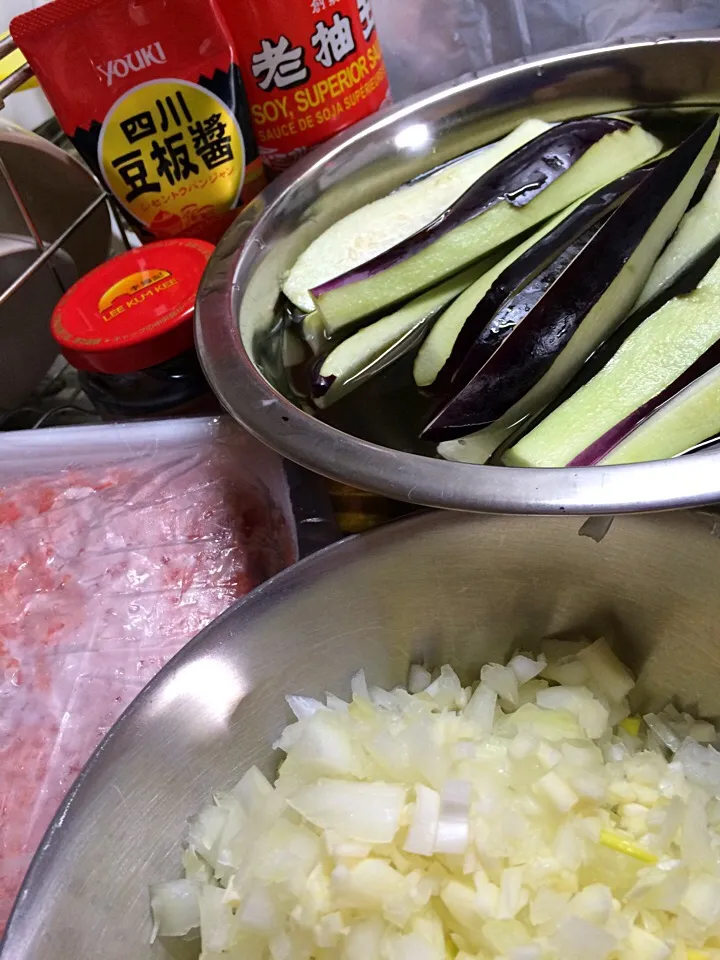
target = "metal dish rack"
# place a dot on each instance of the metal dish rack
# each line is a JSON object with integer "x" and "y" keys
{"x": 59, "y": 399}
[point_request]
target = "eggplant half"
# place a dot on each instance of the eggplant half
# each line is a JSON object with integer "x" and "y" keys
{"x": 437, "y": 347}
{"x": 698, "y": 230}
{"x": 584, "y": 304}
{"x": 679, "y": 420}
{"x": 377, "y": 226}
{"x": 526, "y": 280}
{"x": 655, "y": 366}
{"x": 536, "y": 181}
{"x": 683, "y": 283}
{"x": 373, "y": 348}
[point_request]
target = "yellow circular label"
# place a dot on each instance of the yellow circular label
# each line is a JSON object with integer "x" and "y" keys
{"x": 173, "y": 155}
{"x": 130, "y": 286}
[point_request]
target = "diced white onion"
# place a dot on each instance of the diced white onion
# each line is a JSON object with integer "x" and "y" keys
{"x": 359, "y": 686}
{"x": 662, "y": 731}
{"x": 446, "y": 690}
{"x": 502, "y": 680}
{"x": 175, "y": 906}
{"x": 577, "y": 939}
{"x": 612, "y": 676}
{"x": 701, "y": 765}
{"x": 419, "y": 678}
{"x": 481, "y": 708}
{"x": 368, "y": 812}
{"x": 521, "y": 818}
{"x": 453, "y": 828}
{"x": 304, "y": 706}
{"x": 423, "y": 826}
{"x": 557, "y": 791}
{"x": 526, "y": 668}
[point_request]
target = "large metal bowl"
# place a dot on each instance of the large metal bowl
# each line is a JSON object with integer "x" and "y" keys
{"x": 243, "y": 279}
{"x": 441, "y": 587}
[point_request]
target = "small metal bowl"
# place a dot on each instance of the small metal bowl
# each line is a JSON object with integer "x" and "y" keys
{"x": 235, "y": 305}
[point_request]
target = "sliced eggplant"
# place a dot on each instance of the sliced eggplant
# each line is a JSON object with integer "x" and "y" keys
{"x": 685, "y": 414}
{"x": 653, "y": 359}
{"x": 313, "y": 331}
{"x": 516, "y": 309}
{"x": 525, "y": 281}
{"x": 538, "y": 180}
{"x": 437, "y": 347}
{"x": 687, "y": 418}
{"x": 698, "y": 230}
{"x": 684, "y": 283}
{"x": 584, "y": 304}
{"x": 477, "y": 447}
{"x": 376, "y": 346}
{"x": 379, "y": 225}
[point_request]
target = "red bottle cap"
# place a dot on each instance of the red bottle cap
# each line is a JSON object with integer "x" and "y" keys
{"x": 134, "y": 311}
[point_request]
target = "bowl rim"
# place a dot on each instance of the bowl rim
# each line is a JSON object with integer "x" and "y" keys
{"x": 660, "y": 485}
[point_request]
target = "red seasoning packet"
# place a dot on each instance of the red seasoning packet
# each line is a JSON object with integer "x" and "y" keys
{"x": 150, "y": 93}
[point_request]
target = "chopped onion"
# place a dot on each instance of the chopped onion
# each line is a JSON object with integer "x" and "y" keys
{"x": 419, "y": 678}
{"x": 175, "y": 906}
{"x": 336, "y": 704}
{"x": 579, "y": 701}
{"x": 526, "y": 817}
{"x": 217, "y": 920}
{"x": 610, "y": 675}
{"x": 502, "y": 680}
{"x": 424, "y": 823}
{"x": 359, "y": 686}
{"x": 570, "y": 671}
{"x": 513, "y": 896}
{"x": 453, "y": 827}
{"x": 577, "y": 939}
{"x": 304, "y": 706}
{"x": 446, "y": 690}
{"x": 481, "y": 708}
{"x": 701, "y": 765}
{"x": 557, "y": 791}
{"x": 525, "y": 668}
{"x": 368, "y": 812}
{"x": 662, "y": 731}
{"x": 642, "y": 945}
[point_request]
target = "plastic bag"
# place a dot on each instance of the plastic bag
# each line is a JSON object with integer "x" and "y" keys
{"x": 426, "y": 43}
{"x": 117, "y": 545}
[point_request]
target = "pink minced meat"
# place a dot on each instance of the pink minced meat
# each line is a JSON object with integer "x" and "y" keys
{"x": 104, "y": 574}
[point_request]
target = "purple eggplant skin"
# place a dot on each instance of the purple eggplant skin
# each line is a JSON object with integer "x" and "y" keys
{"x": 529, "y": 352}
{"x": 710, "y": 171}
{"x": 517, "y": 307}
{"x": 517, "y": 179}
{"x": 601, "y": 447}
{"x": 487, "y": 326}
{"x": 319, "y": 385}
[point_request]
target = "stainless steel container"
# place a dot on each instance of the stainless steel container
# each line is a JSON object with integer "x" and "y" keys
{"x": 436, "y": 588}
{"x": 243, "y": 279}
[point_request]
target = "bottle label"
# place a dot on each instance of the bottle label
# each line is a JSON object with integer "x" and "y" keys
{"x": 310, "y": 68}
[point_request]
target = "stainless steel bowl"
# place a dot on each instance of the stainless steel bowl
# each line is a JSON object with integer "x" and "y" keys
{"x": 243, "y": 279}
{"x": 440, "y": 587}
